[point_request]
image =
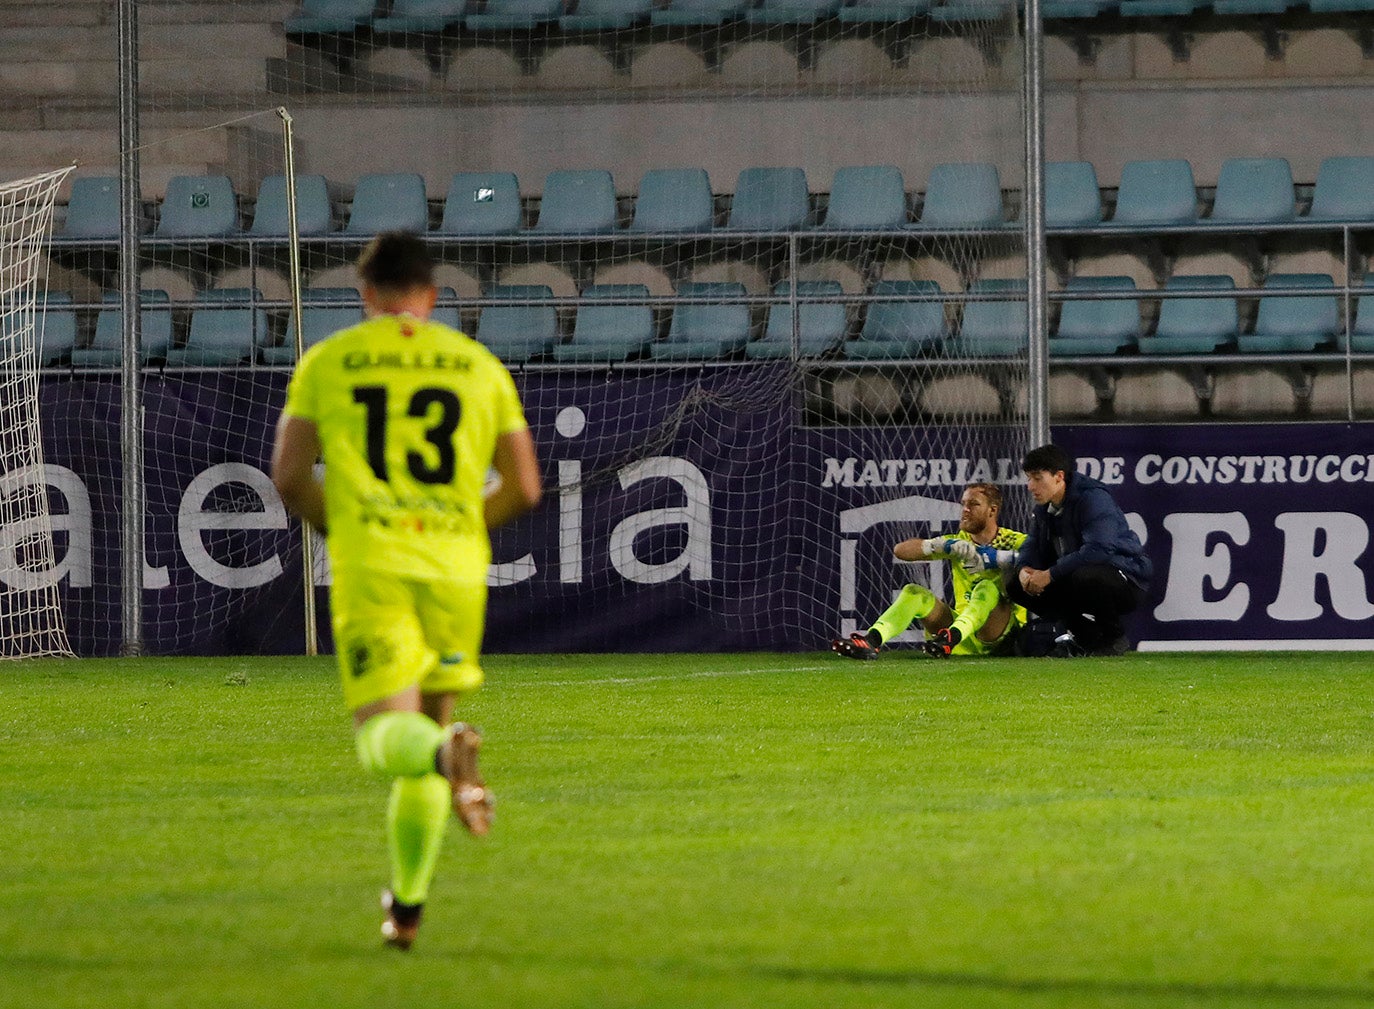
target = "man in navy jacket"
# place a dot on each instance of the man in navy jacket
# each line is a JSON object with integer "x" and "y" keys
{"x": 1080, "y": 563}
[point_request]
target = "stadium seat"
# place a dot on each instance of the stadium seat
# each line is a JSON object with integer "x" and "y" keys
{"x": 1293, "y": 323}
{"x": 1154, "y": 193}
{"x": 820, "y": 325}
{"x": 448, "y": 315}
{"x": 1071, "y": 10}
{"x": 883, "y": 11}
{"x": 705, "y": 332}
{"x": 1362, "y": 326}
{"x": 1161, "y": 8}
{"x": 607, "y": 332}
{"x": 962, "y": 195}
{"x": 791, "y": 12}
{"x": 93, "y": 209}
{"x": 866, "y": 198}
{"x": 1253, "y": 191}
{"x": 514, "y": 15}
{"x": 673, "y": 199}
{"x": 107, "y": 347}
{"x": 1232, "y": 8}
{"x": 1194, "y": 325}
{"x": 324, "y": 311}
{"x": 271, "y": 216}
{"x": 323, "y": 17}
{"x": 482, "y": 203}
{"x": 770, "y": 199}
{"x": 1097, "y": 327}
{"x": 388, "y": 203}
{"x": 1344, "y": 190}
{"x": 1340, "y": 6}
{"x": 421, "y": 16}
{"x": 222, "y": 334}
{"x": 577, "y": 202}
{"x": 1072, "y": 196}
{"x": 606, "y": 15}
{"x": 993, "y": 328}
{"x": 961, "y": 11}
{"x": 900, "y": 329}
{"x": 54, "y": 327}
{"x": 516, "y": 333}
{"x": 699, "y": 13}
{"x": 198, "y": 206}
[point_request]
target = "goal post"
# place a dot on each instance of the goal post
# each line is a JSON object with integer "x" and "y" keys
{"x": 31, "y": 620}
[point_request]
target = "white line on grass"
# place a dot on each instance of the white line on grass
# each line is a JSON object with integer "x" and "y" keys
{"x": 701, "y": 674}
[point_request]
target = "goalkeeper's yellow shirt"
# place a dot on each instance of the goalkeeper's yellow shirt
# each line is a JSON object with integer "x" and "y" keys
{"x": 408, "y": 414}
{"x": 964, "y": 580}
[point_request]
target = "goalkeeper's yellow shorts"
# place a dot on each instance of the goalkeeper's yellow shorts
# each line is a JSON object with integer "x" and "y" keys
{"x": 391, "y": 633}
{"x": 1006, "y": 641}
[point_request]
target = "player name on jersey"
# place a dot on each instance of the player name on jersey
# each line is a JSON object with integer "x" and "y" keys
{"x": 363, "y": 360}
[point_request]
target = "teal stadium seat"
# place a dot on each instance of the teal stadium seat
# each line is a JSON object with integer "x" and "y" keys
{"x": 577, "y": 202}
{"x": 107, "y": 346}
{"x": 514, "y": 15}
{"x": 1162, "y": 8}
{"x": 1362, "y": 326}
{"x": 705, "y": 332}
{"x": 792, "y": 12}
{"x": 388, "y": 202}
{"x": 1253, "y": 191}
{"x": 271, "y": 215}
{"x": 674, "y": 199}
{"x": 324, "y": 311}
{"x": 406, "y": 16}
{"x": 516, "y": 333}
{"x": 222, "y": 334}
{"x": 883, "y": 11}
{"x": 54, "y": 328}
{"x": 962, "y": 195}
{"x": 1231, "y": 8}
{"x": 325, "y": 17}
{"x": 1293, "y": 323}
{"x": 606, "y": 15}
{"x": 482, "y": 203}
{"x": 961, "y": 11}
{"x": 609, "y": 332}
{"x": 1074, "y": 10}
{"x": 1072, "y": 196}
{"x": 1194, "y": 325}
{"x": 93, "y": 209}
{"x": 769, "y": 199}
{"x": 1155, "y": 193}
{"x": 699, "y": 13}
{"x": 1340, "y": 6}
{"x": 1097, "y": 327}
{"x": 820, "y": 325}
{"x": 867, "y": 198}
{"x": 1344, "y": 190}
{"x": 198, "y": 206}
{"x": 900, "y": 329}
{"x": 995, "y": 328}
{"x": 448, "y": 315}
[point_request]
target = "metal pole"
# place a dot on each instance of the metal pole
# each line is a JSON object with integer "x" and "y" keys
{"x": 131, "y": 375}
{"x": 1037, "y": 308}
{"x": 312, "y": 645}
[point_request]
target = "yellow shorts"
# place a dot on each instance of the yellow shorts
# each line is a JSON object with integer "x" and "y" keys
{"x": 974, "y": 645}
{"x": 391, "y": 633}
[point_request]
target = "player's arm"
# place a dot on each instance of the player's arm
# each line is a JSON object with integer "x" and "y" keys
{"x": 521, "y": 486}
{"x": 293, "y": 469}
{"x": 940, "y": 548}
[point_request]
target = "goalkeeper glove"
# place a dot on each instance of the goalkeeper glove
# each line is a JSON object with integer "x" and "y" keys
{"x": 954, "y": 548}
{"x": 989, "y": 558}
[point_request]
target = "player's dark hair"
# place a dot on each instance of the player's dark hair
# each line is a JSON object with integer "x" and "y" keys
{"x": 990, "y": 491}
{"x": 1048, "y": 459}
{"x": 396, "y": 261}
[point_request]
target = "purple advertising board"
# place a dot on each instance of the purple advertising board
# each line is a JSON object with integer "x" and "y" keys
{"x": 693, "y": 510}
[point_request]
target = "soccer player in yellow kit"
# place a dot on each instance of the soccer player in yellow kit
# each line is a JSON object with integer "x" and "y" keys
{"x": 409, "y": 416}
{"x": 982, "y": 620}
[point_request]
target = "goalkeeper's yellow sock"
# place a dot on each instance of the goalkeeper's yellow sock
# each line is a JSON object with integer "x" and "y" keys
{"x": 399, "y": 744}
{"x": 982, "y": 600}
{"x": 415, "y": 822}
{"x": 913, "y": 603}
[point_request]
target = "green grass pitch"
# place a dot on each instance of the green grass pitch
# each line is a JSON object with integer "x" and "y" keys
{"x": 705, "y": 831}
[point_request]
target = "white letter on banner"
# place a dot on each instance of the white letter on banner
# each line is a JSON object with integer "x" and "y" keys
{"x": 75, "y": 522}
{"x": 192, "y": 522}
{"x": 1191, "y": 567}
{"x": 1346, "y": 539}
{"x": 695, "y": 515}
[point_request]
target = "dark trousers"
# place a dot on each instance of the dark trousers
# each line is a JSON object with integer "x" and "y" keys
{"x": 1091, "y": 601}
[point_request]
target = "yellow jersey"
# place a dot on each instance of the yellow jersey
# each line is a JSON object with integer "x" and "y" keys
{"x": 408, "y": 413}
{"x": 964, "y": 580}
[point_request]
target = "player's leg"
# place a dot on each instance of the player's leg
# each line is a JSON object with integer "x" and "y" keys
{"x": 982, "y": 618}
{"x": 913, "y": 602}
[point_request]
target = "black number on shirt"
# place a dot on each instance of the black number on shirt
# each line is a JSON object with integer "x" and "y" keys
{"x": 373, "y": 399}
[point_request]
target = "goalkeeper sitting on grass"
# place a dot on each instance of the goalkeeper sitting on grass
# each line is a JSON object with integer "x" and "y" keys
{"x": 982, "y": 620}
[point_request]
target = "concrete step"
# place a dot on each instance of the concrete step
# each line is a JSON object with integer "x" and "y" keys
{"x": 47, "y": 77}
